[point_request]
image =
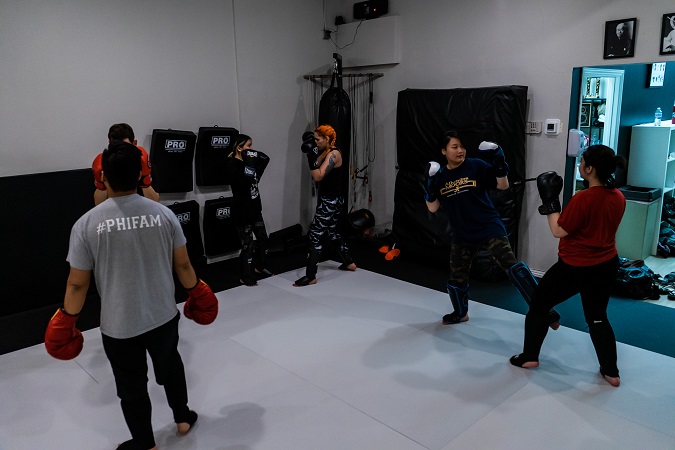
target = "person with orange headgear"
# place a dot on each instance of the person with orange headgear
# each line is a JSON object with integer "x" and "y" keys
{"x": 325, "y": 165}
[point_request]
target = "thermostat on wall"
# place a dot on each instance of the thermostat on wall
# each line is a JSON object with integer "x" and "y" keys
{"x": 552, "y": 126}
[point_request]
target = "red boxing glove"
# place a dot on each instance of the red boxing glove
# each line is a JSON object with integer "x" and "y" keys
{"x": 201, "y": 305}
{"x": 97, "y": 169}
{"x": 62, "y": 339}
{"x": 146, "y": 171}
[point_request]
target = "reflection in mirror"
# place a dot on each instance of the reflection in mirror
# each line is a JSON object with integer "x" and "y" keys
{"x": 599, "y": 110}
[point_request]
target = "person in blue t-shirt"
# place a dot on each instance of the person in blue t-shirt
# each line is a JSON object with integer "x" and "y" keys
{"x": 461, "y": 188}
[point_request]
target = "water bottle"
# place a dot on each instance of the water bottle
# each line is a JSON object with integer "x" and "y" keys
{"x": 657, "y": 117}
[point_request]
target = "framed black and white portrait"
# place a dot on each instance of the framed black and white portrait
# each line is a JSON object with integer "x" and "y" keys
{"x": 620, "y": 38}
{"x": 668, "y": 34}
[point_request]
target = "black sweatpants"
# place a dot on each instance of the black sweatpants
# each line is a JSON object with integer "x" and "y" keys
{"x": 130, "y": 368}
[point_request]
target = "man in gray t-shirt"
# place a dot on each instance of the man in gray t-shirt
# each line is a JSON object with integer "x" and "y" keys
{"x": 132, "y": 245}
{"x": 139, "y": 294}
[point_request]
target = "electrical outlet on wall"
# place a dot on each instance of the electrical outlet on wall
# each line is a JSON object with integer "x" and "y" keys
{"x": 533, "y": 128}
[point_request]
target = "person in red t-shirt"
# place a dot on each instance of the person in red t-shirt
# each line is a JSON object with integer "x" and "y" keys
{"x": 587, "y": 257}
{"x": 124, "y": 132}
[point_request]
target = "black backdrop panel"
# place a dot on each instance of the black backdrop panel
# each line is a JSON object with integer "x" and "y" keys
{"x": 38, "y": 211}
{"x": 422, "y": 116}
{"x": 213, "y": 146}
{"x": 171, "y": 155}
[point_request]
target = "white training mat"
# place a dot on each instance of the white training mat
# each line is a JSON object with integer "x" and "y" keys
{"x": 357, "y": 361}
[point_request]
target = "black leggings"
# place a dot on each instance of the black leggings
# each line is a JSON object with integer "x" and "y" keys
{"x": 130, "y": 368}
{"x": 562, "y": 281}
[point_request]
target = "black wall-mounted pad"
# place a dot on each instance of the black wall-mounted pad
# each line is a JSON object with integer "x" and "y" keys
{"x": 171, "y": 155}
{"x": 213, "y": 146}
{"x": 188, "y": 216}
{"x": 220, "y": 234}
{"x": 39, "y": 211}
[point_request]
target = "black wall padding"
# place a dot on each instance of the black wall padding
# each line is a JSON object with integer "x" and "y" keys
{"x": 38, "y": 211}
{"x": 171, "y": 155}
{"x": 335, "y": 110}
{"x": 213, "y": 146}
{"x": 422, "y": 116}
{"x": 188, "y": 216}
{"x": 286, "y": 238}
{"x": 220, "y": 234}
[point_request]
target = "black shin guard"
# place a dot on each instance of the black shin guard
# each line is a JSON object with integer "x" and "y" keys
{"x": 523, "y": 280}
{"x": 459, "y": 296}
{"x": 521, "y": 277}
{"x": 247, "y": 277}
{"x": 312, "y": 263}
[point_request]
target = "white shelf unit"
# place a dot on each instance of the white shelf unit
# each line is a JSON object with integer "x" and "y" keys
{"x": 652, "y": 162}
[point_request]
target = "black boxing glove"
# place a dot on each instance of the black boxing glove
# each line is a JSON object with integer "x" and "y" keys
{"x": 261, "y": 163}
{"x": 310, "y": 150}
{"x": 256, "y": 161}
{"x": 550, "y": 185}
{"x": 494, "y": 155}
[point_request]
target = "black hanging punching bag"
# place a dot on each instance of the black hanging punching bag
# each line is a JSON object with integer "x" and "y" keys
{"x": 335, "y": 110}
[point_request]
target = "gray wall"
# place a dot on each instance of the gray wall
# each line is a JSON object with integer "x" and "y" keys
{"x": 71, "y": 68}
{"x": 447, "y": 44}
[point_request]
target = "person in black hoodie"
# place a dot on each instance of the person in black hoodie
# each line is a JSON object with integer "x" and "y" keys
{"x": 245, "y": 168}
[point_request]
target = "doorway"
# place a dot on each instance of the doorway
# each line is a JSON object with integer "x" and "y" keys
{"x": 599, "y": 116}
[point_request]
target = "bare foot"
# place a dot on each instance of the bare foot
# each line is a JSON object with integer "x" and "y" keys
{"x": 530, "y": 365}
{"x": 614, "y": 381}
{"x": 183, "y": 428}
{"x": 450, "y": 319}
{"x": 555, "y": 326}
{"x": 351, "y": 267}
{"x": 519, "y": 361}
{"x": 304, "y": 281}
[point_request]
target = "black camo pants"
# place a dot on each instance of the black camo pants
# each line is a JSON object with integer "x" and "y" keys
{"x": 325, "y": 227}
{"x": 461, "y": 257}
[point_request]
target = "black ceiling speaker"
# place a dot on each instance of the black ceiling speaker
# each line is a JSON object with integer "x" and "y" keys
{"x": 370, "y": 9}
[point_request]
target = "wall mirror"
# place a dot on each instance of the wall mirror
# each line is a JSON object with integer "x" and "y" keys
{"x": 599, "y": 106}
{"x": 613, "y": 105}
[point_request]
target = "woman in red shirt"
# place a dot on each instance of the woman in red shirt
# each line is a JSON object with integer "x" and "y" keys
{"x": 587, "y": 257}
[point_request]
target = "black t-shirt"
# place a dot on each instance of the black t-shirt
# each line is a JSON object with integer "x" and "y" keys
{"x": 330, "y": 185}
